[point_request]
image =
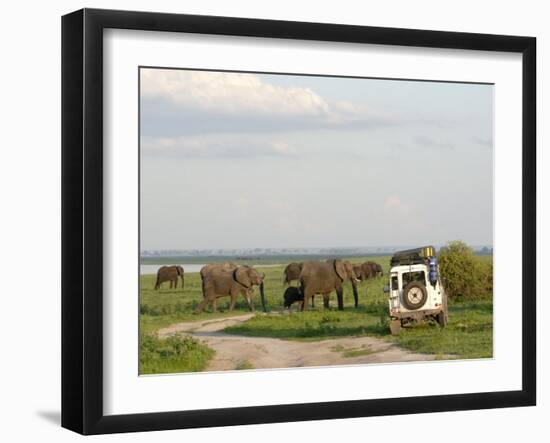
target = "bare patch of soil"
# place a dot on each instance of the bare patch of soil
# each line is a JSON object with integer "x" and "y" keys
{"x": 265, "y": 352}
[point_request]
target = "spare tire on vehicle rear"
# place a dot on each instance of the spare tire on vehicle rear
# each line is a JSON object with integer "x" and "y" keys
{"x": 414, "y": 295}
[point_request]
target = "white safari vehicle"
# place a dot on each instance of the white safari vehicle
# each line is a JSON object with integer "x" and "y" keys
{"x": 415, "y": 291}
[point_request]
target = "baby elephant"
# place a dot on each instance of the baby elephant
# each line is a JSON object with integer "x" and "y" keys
{"x": 294, "y": 294}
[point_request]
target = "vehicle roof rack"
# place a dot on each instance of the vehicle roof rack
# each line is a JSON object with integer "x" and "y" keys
{"x": 412, "y": 256}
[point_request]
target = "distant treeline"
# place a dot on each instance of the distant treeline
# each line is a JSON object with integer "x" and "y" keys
{"x": 265, "y": 259}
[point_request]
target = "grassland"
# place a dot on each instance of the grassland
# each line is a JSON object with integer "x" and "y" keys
{"x": 167, "y": 306}
{"x": 468, "y": 335}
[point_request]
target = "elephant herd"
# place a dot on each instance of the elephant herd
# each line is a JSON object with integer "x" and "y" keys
{"x": 314, "y": 277}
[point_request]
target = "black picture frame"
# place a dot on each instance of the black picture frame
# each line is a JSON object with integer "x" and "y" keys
{"x": 82, "y": 220}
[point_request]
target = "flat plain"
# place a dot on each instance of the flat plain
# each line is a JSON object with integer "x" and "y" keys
{"x": 468, "y": 335}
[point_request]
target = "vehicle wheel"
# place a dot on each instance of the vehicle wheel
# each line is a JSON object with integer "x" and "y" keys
{"x": 414, "y": 295}
{"x": 395, "y": 327}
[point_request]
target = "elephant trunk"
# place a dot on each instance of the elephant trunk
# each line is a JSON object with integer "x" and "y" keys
{"x": 355, "y": 295}
{"x": 262, "y": 296}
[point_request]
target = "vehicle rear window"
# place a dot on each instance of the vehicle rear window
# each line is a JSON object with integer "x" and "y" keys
{"x": 414, "y": 276}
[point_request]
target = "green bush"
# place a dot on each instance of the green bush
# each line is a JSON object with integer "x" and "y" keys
{"x": 172, "y": 354}
{"x": 465, "y": 275}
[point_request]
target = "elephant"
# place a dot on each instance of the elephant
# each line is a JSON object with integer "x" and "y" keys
{"x": 364, "y": 271}
{"x": 207, "y": 269}
{"x": 379, "y": 269}
{"x": 171, "y": 274}
{"x": 324, "y": 277}
{"x": 294, "y": 294}
{"x": 221, "y": 282}
{"x": 376, "y": 268}
{"x": 367, "y": 270}
{"x": 292, "y": 272}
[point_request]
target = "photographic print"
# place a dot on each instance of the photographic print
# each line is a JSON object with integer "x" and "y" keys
{"x": 292, "y": 221}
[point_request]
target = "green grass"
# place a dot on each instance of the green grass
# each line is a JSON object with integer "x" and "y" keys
{"x": 468, "y": 335}
{"x": 311, "y": 325}
{"x": 172, "y": 354}
{"x": 244, "y": 365}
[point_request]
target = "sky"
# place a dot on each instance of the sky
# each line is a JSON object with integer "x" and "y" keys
{"x": 241, "y": 160}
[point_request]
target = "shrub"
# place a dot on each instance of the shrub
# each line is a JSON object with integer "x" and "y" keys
{"x": 465, "y": 274}
{"x": 173, "y": 354}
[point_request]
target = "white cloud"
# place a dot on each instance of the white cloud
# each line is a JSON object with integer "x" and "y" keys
{"x": 238, "y": 95}
{"x": 217, "y": 146}
{"x": 229, "y": 93}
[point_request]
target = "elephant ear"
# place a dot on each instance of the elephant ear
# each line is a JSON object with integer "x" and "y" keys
{"x": 349, "y": 269}
{"x": 340, "y": 269}
{"x": 241, "y": 276}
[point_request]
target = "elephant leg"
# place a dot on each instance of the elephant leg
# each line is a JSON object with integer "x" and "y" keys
{"x": 248, "y": 298}
{"x": 203, "y": 304}
{"x": 307, "y": 295}
{"x": 313, "y": 301}
{"x": 233, "y": 300}
{"x": 326, "y": 301}
{"x": 176, "y": 283}
{"x": 215, "y": 305}
{"x": 340, "y": 296}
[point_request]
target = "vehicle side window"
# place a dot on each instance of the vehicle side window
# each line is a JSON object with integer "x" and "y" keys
{"x": 394, "y": 284}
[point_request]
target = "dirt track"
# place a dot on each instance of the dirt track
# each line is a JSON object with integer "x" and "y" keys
{"x": 233, "y": 351}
